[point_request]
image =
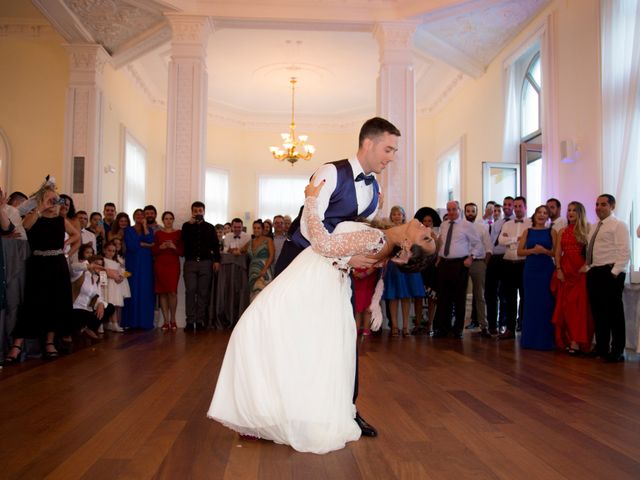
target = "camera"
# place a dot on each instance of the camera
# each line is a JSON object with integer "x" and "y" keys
{"x": 57, "y": 201}
{"x": 199, "y": 218}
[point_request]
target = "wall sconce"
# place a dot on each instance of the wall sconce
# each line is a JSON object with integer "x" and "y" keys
{"x": 569, "y": 152}
{"x": 109, "y": 169}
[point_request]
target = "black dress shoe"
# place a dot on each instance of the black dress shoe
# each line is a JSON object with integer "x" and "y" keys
{"x": 457, "y": 335}
{"x": 200, "y": 326}
{"x": 367, "y": 430}
{"x": 507, "y": 335}
{"x": 438, "y": 334}
{"x": 613, "y": 358}
{"x": 190, "y": 327}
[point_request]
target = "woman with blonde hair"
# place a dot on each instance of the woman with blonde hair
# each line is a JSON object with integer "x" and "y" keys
{"x": 572, "y": 316}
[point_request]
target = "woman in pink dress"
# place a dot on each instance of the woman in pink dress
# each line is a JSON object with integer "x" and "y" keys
{"x": 572, "y": 315}
{"x": 167, "y": 249}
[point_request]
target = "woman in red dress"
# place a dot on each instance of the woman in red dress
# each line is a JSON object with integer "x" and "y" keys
{"x": 167, "y": 249}
{"x": 572, "y": 315}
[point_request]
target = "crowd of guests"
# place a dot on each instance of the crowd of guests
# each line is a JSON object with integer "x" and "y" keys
{"x": 67, "y": 272}
{"x": 556, "y": 280}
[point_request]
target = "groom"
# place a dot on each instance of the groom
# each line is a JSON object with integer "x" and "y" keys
{"x": 350, "y": 191}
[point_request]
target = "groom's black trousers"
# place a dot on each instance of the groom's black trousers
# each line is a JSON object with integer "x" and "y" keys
{"x": 289, "y": 252}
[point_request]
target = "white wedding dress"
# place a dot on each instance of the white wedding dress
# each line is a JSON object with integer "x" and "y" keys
{"x": 289, "y": 369}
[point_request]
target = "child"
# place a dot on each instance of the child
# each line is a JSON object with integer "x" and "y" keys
{"x": 364, "y": 283}
{"x": 117, "y": 288}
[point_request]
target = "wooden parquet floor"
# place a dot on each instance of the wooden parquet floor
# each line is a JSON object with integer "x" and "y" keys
{"x": 133, "y": 406}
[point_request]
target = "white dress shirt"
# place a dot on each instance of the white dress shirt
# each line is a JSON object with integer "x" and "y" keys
{"x": 510, "y": 237}
{"x": 483, "y": 232}
{"x": 328, "y": 172}
{"x": 558, "y": 224}
{"x": 14, "y": 217}
{"x": 88, "y": 237}
{"x": 611, "y": 245}
{"x": 90, "y": 288}
{"x": 230, "y": 241}
{"x": 465, "y": 240}
{"x": 494, "y": 232}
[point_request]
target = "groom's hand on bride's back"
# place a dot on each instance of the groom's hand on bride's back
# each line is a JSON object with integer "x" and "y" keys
{"x": 362, "y": 261}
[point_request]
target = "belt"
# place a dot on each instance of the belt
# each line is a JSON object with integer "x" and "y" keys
{"x": 458, "y": 259}
{"x": 198, "y": 259}
{"x": 514, "y": 261}
{"x": 48, "y": 253}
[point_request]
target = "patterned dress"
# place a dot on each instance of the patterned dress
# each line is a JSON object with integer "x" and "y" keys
{"x": 259, "y": 258}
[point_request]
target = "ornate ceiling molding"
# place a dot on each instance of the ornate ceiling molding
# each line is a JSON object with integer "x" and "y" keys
{"x": 436, "y": 105}
{"x": 141, "y": 45}
{"x": 426, "y": 42}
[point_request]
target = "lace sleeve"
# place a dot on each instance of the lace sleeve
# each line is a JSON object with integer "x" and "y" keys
{"x": 363, "y": 242}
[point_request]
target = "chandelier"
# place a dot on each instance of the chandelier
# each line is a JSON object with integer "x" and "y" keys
{"x": 293, "y": 148}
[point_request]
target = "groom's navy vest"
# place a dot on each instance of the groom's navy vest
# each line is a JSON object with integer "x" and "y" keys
{"x": 343, "y": 204}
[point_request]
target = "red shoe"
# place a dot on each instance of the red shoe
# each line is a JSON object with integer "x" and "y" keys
{"x": 366, "y": 332}
{"x": 174, "y": 326}
{"x": 165, "y": 327}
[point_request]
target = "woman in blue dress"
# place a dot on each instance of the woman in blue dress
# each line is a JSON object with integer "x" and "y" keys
{"x": 139, "y": 309}
{"x": 400, "y": 287}
{"x": 538, "y": 245}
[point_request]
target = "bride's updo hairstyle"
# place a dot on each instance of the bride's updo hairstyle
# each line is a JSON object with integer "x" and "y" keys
{"x": 418, "y": 261}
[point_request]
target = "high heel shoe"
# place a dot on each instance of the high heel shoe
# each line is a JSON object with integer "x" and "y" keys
{"x": 9, "y": 360}
{"x": 406, "y": 333}
{"x": 395, "y": 332}
{"x": 174, "y": 326}
{"x": 165, "y": 327}
{"x": 48, "y": 354}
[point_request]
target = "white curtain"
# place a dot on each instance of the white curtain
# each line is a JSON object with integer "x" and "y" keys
{"x": 449, "y": 176}
{"x": 216, "y": 196}
{"x": 135, "y": 177}
{"x": 511, "y": 140}
{"x": 620, "y": 45}
{"x": 280, "y": 195}
{"x": 549, "y": 109}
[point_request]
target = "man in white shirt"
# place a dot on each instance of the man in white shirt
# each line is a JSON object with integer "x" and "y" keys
{"x": 86, "y": 235}
{"x": 494, "y": 279}
{"x": 513, "y": 265}
{"x": 478, "y": 270}
{"x": 607, "y": 257}
{"x": 459, "y": 245}
{"x": 234, "y": 241}
{"x": 556, "y": 221}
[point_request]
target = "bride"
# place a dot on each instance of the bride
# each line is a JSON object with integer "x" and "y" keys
{"x": 288, "y": 372}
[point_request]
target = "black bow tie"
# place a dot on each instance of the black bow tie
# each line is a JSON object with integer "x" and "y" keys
{"x": 368, "y": 179}
{"x": 519, "y": 221}
{"x": 236, "y": 236}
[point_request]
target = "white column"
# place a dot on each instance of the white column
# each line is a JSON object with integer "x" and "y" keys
{"x": 83, "y": 125}
{"x": 186, "y": 113}
{"x": 396, "y": 103}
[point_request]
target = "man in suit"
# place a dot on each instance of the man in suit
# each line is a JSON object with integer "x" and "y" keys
{"x": 350, "y": 191}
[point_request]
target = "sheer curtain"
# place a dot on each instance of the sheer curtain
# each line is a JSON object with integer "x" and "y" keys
{"x": 448, "y": 186}
{"x": 280, "y": 195}
{"x": 511, "y": 141}
{"x": 620, "y": 46}
{"x": 216, "y": 196}
{"x": 549, "y": 109}
{"x": 135, "y": 174}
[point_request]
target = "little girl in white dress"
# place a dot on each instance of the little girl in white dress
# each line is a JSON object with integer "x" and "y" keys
{"x": 117, "y": 288}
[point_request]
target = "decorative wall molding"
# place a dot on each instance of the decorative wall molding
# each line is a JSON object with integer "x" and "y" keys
{"x": 395, "y": 40}
{"x": 141, "y": 85}
{"x": 25, "y": 28}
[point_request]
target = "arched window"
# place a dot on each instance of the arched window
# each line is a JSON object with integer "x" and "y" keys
{"x": 530, "y": 101}
{"x": 531, "y": 133}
